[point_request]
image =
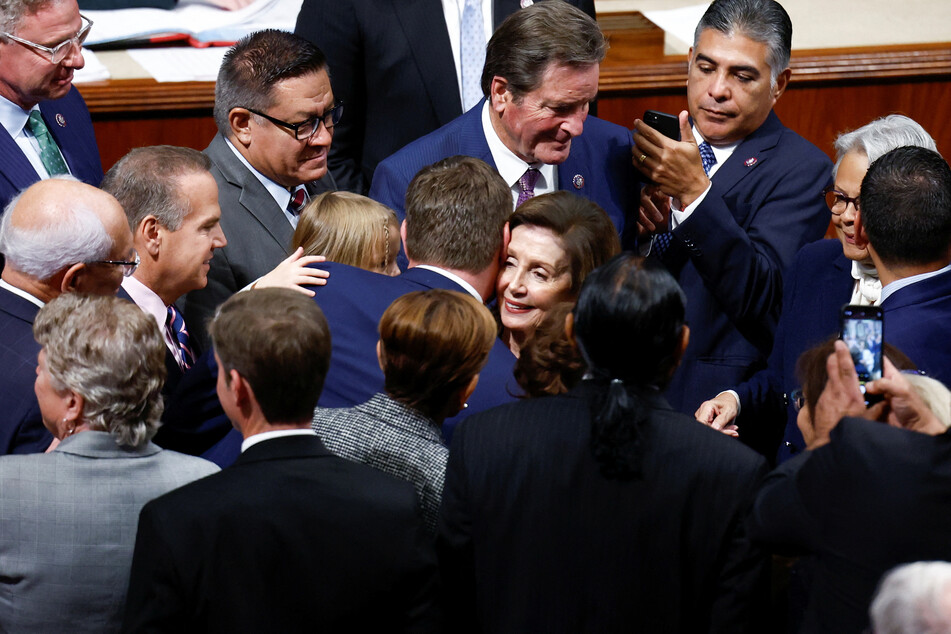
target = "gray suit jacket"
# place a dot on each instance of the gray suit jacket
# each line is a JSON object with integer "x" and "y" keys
{"x": 67, "y": 529}
{"x": 258, "y": 233}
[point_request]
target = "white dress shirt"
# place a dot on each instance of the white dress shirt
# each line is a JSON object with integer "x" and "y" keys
{"x": 511, "y": 167}
{"x": 13, "y": 118}
{"x": 280, "y": 194}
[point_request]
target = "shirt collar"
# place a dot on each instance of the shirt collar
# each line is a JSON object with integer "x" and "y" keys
{"x": 278, "y": 192}
{"x": 721, "y": 153}
{"x": 469, "y": 288}
{"x": 908, "y": 281}
{"x": 21, "y": 293}
{"x": 13, "y": 117}
{"x": 146, "y": 299}
{"x": 509, "y": 166}
{"x": 250, "y": 441}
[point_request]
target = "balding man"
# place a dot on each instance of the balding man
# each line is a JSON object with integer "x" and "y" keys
{"x": 46, "y": 129}
{"x": 59, "y": 235}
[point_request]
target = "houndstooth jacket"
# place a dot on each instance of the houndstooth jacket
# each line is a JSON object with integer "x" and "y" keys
{"x": 389, "y": 436}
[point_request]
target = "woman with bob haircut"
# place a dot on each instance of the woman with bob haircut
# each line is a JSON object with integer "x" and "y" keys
{"x": 350, "y": 229}
{"x": 602, "y": 508}
{"x": 66, "y": 556}
{"x": 433, "y": 344}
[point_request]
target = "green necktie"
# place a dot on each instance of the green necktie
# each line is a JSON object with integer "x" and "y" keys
{"x": 49, "y": 151}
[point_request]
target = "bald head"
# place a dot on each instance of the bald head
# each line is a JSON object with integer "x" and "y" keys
{"x": 53, "y": 233}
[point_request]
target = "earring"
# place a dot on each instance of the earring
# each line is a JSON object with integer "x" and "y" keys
{"x": 465, "y": 406}
{"x": 69, "y": 432}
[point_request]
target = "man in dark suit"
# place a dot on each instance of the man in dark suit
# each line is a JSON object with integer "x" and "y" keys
{"x": 537, "y": 84}
{"x": 905, "y": 221}
{"x": 290, "y": 535}
{"x": 398, "y": 66}
{"x": 747, "y": 194}
{"x": 46, "y": 127}
{"x": 58, "y": 236}
{"x": 455, "y": 234}
{"x": 864, "y": 498}
{"x": 171, "y": 202}
{"x": 275, "y": 114}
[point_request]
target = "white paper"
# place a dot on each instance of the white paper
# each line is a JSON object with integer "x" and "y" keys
{"x": 678, "y": 24}
{"x": 180, "y": 63}
{"x": 94, "y": 70}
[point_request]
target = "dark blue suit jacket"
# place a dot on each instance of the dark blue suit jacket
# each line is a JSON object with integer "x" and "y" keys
{"x": 817, "y": 285}
{"x": 68, "y": 121}
{"x": 729, "y": 255}
{"x": 916, "y": 322}
{"x": 354, "y": 301}
{"x": 598, "y": 167}
{"x": 21, "y": 426}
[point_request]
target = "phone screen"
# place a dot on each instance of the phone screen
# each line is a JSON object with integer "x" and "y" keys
{"x": 864, "y": 340}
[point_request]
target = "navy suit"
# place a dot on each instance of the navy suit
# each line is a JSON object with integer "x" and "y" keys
{"x": 68, "y": 121}
{"x": 598, "y": 167}
{"x": 354, "y": 300}
{"x": 391, "y": 64}
{"x": 21, "y": 426}
{"x": 873, "y": 498}
{"x": 765, "y": 203}
{"x": 816, "y": 286}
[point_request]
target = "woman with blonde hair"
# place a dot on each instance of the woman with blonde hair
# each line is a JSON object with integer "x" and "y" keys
{"x": 350, "y": 229}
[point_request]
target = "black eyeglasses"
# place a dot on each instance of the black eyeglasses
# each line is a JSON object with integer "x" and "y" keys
{"x": 128, "y": 268}
{"x": 837, "y": 201}
{"x": 306, "y": 129}
{"x": 57, "y": 53}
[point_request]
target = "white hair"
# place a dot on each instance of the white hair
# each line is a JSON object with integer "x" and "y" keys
{"x": 880, "y": 137}
{"x": 935, "y": 395}
{"x": 78, "y": 235}
{"x": 914, "y": 599}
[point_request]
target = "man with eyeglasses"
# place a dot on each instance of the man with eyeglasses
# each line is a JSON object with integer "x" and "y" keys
{"x": 46, "y": 126}
{"x": 58, "y": 236}
{"x": 275, "y": 113}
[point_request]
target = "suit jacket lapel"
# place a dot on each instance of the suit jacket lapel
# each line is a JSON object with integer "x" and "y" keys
{"x": 16, "y": 306}
{"x": 14, "y": 166}
{"x": 472, "y": 138}
{"x": 254, "y": 197}
{"x": 752, "y": 152}
{"x": 502, "y": 9}
{"x": 423, "y": 23}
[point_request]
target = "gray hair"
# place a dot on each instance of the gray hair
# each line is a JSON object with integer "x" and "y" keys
{"x": 880, "y": 137}
{"x": 533, "y": 38}
{"x": 12, "y": 11}
{"x": 914, "y": 598}
{"x": 763, "y": 21}
{"x": 110, "y": 352}
{"x": 935, "y": 395}
{"x": 146, "y": 181}
{"x": 77, "y": 236}
{"x": 252, "y": 66}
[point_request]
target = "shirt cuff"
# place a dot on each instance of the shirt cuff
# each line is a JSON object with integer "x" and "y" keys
{"x": 736, "y": 396}
{"x": 678, "y": 216}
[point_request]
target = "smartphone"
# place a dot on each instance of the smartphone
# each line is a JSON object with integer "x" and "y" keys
{"x": 666, "y": 124}
{"x": 863, "y": 332}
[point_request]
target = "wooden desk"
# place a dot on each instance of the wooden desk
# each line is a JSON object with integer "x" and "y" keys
{"x": 831, "y": 91}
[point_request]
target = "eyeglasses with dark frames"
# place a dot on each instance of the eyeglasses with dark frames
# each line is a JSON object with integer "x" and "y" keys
{"x": 837, "y": 201}
{"x": 306, "y": 129}
{"x": 128, "y": 268}
{"x": 58, "y": 53}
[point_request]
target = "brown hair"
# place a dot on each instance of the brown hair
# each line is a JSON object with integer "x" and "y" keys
{"x": 456, "y": 209}
{"x": 432, "y": 344}
{"x": 587, "y": 234}
{"x": 548, "y": 362}
{"x": 347, "y": 228}
{"x": 279, "y": 341}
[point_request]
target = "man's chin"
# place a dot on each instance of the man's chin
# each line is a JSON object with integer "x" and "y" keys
{"x": 555, "y": 155}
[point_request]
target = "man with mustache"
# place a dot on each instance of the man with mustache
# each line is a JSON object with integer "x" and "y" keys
{"x": 46, "y": 129}
{"x": 734, "y": 199}
{"x": 275, "y": 113}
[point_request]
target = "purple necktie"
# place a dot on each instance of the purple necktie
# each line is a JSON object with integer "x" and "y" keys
{"x": 526, "y": 185}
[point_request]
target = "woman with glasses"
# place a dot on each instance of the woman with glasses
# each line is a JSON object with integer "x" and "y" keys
{"x": 824, "y": 276}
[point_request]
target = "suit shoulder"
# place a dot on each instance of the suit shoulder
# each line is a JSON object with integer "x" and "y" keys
{"x": 720, "y": 451}
{"x": 186, "y": 464}
{"x": 797, "y": 148}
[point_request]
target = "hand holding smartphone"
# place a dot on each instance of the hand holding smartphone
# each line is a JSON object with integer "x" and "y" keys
{"x": 666, "y": 124}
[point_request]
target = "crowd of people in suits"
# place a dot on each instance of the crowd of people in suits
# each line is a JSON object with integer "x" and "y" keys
{"x": 461, "y": 356}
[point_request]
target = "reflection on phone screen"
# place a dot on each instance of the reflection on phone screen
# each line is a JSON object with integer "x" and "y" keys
{"x": 864, "y": 340}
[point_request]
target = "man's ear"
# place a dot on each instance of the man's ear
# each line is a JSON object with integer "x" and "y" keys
{"x": 782, "y": 80}
{"x": 499, "y": 94}
{"x": 240, "y": 120}
{"x": 861, "y": 236}
{"x": 149, "y": 235}
{"x": 379, "y": 353}
{"x": 73, "y": 278}
{"x": 506, "y": 238}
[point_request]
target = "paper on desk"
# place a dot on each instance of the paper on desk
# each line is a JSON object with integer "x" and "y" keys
{"x": 200, "y": 21}
{"x": 94, "y": 70}
{"x": 180, "y": 63}
{"x": 678, "y": 24}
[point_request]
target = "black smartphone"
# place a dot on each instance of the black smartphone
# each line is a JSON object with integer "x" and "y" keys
{"x": 863, "y": 333}
{"x": 666, "y": 124}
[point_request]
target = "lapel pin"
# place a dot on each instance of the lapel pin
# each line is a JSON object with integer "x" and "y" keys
{"x": 60, "y": 120}
{"x": 750, "y": 162}
{"x": 578, "y": 180}
{"x": 526, "y": 3}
